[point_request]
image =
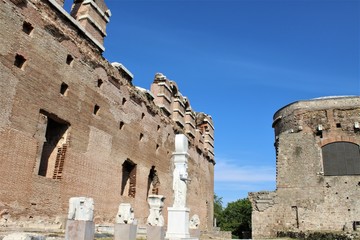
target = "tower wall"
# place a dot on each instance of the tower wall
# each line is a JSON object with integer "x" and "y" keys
{"x": 312, "y": 195}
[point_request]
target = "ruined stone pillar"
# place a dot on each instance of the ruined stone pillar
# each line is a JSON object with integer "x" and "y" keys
{"x": 93, "y": 16}
{"x": 80, "y": 225}
{"x": 125, "y": 227}
{"x": 178, "y": 214}
{"x": 155, "y": 222}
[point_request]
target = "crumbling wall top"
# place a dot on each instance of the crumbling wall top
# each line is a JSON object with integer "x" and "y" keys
{"x": 317, "y": 104}
{"x": 198, "y": 126}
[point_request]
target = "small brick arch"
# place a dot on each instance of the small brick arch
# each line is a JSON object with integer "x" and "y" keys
{"x": 338, "y": 138}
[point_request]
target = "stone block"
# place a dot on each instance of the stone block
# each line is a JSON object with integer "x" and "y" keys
{"x": 81, "y": 208}
{"x": 156, "y": 203}
{"x": 79, "y": 230}
{"x": 17, "y": 236}
{"x": 155, "y": 233}
{"x": 178, "y": 223}
{"x": 195, "y": 233}
{"x": 125, "y": 214}
{"x": 125, "y": 231}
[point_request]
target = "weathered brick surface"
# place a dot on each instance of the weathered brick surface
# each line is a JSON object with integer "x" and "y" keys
{"x": 97, "y": 147}
{"x": 305, "y": 198}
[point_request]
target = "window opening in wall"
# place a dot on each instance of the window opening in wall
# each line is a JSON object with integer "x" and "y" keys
{"x": 356, "y": 225}
{"x": 27, "y": 28}
{"x": 141, "y": 136}
{"x": 54, "y": 147}
{"x": 153, "y": 182}
{"x": 338, "y": 125}
{"x": 341, "y": 158}
{"x": 157, "y": 146}
{"x": 174, "y": 91}
{"x": 20, "y": 3}
{"x": 319, "y": 133}
{"x": 121, "y": 126}
{"x": 64, "y": 89}
{"x": 123, "y": 101}
{"x": 96, "y": 109}
{"x": 20, "y": 61}
{"x": 99, "y": 83}
{"x": 296, "y": 212}
{"x": 142, "y": 115}
{"x": 158, "y": 127}
{"x": 69, "y": 60}
{"x": 128, "y": 184}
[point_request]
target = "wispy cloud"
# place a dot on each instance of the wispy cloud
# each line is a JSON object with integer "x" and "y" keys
{"x": 278, "y": 74}
{"x": 233, "y": 180}
{"x": 231, "y": 171}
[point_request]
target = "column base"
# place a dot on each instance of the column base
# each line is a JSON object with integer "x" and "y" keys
{"x": 125, "y": 231}
{"x": 79, "y": 230}
{"x": 178, "y": 224}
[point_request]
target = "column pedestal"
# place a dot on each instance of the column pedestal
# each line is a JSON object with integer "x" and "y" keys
{"x": 125, "y": 231}
{"x": 178, "y": 224}
{"x": 155, "y": 233}
{"x": 79, "y": 230}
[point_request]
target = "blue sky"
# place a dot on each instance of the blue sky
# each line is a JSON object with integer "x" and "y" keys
{"x": 240, "y": 61}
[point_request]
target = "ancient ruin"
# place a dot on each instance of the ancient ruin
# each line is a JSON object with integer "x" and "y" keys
{"x": 156, "y": 204}
{"x": 79, "y": 224}
{"x": 318, "y": 170}
{"x": 73, "y": 124}
{"x": 125, "y": 223}
{"x": 81, "y": 208}
{"x": 178, "y": 214}
{"x": 155, "y": 222}
{"x": 125, "y": 214}
{"x": 194, "y": 222}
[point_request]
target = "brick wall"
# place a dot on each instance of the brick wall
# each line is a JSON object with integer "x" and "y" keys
{"x": 306, "y": 199}
{"x": 56, "y": 56}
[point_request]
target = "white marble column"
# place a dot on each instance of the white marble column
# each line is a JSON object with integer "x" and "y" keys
{"x": 178, "y": 214}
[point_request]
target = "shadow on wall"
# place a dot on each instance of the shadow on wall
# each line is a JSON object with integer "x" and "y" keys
{"x": 20, "y": 3}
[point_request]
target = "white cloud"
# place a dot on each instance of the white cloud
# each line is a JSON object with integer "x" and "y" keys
{"x": 229, "y": 171}
{"x": 233, "y": 180}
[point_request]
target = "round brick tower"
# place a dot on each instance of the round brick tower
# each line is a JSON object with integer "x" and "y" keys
{"x": 318, "y": 169}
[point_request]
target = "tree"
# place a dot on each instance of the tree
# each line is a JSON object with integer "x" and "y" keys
{"x": 218, "y": 209}
{"x": 236, "y": 217}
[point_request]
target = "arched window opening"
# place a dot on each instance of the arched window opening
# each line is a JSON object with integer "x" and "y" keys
{"x": 54, "y": 148}
{"x": 153, "y": 182}
{"x": 128, "y": 184}
{"x": 175, "y": 92}
{"x": 341, "y": 158}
